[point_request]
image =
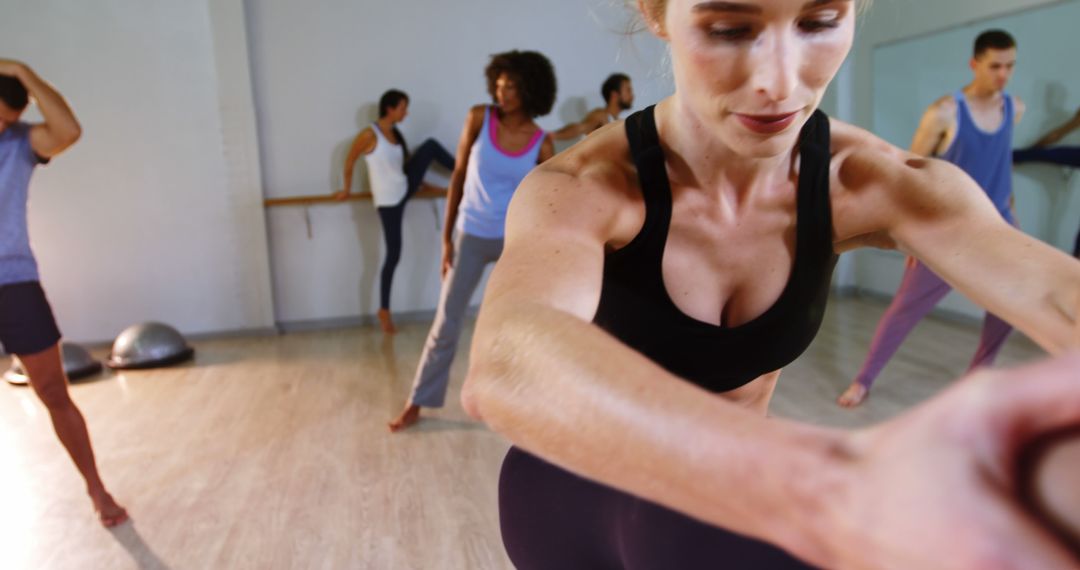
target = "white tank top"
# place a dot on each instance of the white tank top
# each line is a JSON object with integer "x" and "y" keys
{"x": 385, "y": 170}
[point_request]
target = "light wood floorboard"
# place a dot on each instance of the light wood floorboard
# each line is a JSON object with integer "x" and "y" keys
{"x": 272, "y": 452}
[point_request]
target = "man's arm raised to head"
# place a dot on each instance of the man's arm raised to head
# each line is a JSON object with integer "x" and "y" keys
{"x": 61, "y": 129}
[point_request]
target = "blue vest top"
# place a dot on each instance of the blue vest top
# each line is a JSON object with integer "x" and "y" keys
{"x": 986, "y": 157}
{"x": 490, "y": 180}
{"x": 17, "y": 162}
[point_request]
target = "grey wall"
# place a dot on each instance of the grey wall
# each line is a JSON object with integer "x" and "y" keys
{"x": 910, "y": 53}
{"x": 319, "y": 68}
{"x": 155, "y": 213}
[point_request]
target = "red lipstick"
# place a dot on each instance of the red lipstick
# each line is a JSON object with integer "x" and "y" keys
{"x": 767, "y": 124}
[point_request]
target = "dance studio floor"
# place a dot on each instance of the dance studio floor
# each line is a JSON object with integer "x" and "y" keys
{"x": 272, "y": 452}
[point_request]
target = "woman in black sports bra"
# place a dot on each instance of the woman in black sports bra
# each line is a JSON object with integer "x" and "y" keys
{"x": 656, "y": 278}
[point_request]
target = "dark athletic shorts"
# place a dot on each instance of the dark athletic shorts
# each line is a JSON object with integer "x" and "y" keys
{"x": 27, "y": 325}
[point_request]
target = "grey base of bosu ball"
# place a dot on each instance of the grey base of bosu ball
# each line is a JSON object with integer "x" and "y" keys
{"x": 78, "y": 364}
{"x": 148, "y": 345}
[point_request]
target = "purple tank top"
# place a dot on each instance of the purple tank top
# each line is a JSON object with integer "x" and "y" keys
{"x": 986, "y": 157}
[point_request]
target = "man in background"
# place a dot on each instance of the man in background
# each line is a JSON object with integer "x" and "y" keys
{"x": 973, "y": 129}
{"x": 618, "y": 92}
{"x": 27, "y": 326}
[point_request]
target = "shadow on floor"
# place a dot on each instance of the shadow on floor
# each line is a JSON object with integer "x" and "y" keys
{"x": 128, "y": 537}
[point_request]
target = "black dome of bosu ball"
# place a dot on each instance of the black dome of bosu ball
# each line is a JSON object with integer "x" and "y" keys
{"x": 148, "y": 345}
{"x": 78, "y": 364}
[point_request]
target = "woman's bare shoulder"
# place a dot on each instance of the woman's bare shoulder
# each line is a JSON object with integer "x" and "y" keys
{"x": 876, "y": 186}
{"x": 600, "y": 162}
{"x": 592, "y": 185}
{"x": 848, "y": 139}
{"x": 861, "y": 159}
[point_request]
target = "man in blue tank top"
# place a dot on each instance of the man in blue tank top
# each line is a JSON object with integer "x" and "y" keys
{"x": 973, "y": 129}
{"x": 27, "y": 327}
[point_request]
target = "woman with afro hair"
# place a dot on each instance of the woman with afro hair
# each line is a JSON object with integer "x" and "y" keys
{"x": 499, "y": 145}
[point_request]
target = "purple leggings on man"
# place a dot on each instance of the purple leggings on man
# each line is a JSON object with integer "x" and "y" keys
{"x": 919, "y": 292}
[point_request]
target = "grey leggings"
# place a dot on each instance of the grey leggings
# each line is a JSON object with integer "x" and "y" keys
{"x": 471, "y": 255}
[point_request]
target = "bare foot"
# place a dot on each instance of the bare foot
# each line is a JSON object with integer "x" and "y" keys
{"x": 110, "y": 513}
{"x": 409, "y": 416}
{"x": 853, "y": 396}
{"x": 386, "y": 322}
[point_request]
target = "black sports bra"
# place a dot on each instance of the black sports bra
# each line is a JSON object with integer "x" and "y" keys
{"x": 635, "y": 306}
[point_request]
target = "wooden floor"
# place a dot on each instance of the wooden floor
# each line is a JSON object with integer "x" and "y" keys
{"x": 272, "y": 452}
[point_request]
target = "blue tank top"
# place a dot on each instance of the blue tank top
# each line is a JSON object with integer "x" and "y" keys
{"x": 986, "y": 157}
{"x": 17, "y": 162}
{"x": 491, "y": 178}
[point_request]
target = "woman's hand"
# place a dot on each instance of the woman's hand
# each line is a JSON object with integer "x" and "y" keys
{"x": 447, "y": 256}
{"x": 940, "y": 486}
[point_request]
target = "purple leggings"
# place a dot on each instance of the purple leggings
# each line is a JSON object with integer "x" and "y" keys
{"x": 552, "y": 518}
{"x": 919, "y": 292}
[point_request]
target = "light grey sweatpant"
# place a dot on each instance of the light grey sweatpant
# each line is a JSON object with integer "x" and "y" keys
{"x": 471, "y": 255}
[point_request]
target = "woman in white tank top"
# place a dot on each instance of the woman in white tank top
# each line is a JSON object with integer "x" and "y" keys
{"x": 395, "y": 176}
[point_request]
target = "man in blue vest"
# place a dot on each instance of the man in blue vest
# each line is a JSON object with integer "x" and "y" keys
{"x": 973, "y": 129}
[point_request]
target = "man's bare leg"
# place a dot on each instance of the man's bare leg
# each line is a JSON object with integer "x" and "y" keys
{"x": 46, "y": 372}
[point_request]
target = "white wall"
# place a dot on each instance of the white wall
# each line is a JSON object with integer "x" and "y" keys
{"x": 926, "y": 32}
{"x": 319, "y": 69}
{"x": 155, "y": 213}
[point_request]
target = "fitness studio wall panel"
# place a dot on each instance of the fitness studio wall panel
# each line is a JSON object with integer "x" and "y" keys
{"x": 319, "y": 69}
{"x": 155, "y": 214}
{"x": 909, "y": 74}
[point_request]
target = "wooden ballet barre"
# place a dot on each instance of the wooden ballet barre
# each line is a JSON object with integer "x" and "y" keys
{"x": 330, "y": 199}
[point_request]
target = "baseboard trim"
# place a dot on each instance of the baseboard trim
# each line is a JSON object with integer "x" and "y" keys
{"x": 335, "y": 323}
